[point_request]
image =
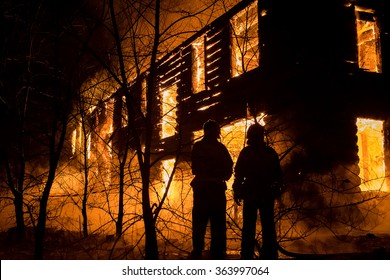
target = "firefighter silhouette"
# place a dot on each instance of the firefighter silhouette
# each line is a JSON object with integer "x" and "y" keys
{"x": 212, "y": 166}
{"x": 257, "y": 182}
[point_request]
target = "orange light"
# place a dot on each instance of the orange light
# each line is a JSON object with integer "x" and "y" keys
{"x": 245, "y": 40}
{"x": 371, "y": 155}
{"x": 369, "y": 52}
{"x": 169, "y": 109}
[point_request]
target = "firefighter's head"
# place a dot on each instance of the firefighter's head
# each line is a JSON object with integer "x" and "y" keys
{"x": 211, "y": 129}
{"x": 255, "y": 134}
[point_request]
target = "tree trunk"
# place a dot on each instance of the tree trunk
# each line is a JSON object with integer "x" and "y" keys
{"x": 84, "y": 208}
{"x": 86, "y": 179}
{"x": 119, "y": 222}
{"x": 18, "y": 199}
{"x": 41, "y": 225}
{"x": 55, "y": 151}
{"x": 151, "y": 247}
{"x": 20, "y": 226}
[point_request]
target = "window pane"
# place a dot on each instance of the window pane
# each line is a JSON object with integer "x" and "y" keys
{"x": 369, "y": 55}
{"x": 198, "y": 68}
{"x": 371, "y": 154}
{"x": 245, "y": 40}
{"x": 169, "y": 102}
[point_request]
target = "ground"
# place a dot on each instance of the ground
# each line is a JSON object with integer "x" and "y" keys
{"x": 353, "y": 247}
{"x": 62, "y": 245}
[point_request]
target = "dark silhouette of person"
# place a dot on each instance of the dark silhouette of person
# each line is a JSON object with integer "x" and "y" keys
{"x": 258, "y": 175}
{"x": 212, "y": 166}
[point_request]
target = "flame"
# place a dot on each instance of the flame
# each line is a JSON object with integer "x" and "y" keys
{"x": 74, "y": 139}
{"x": 245, "y": 57}
{"x": 204, "y": 108}
{"x": 143, "y": 96}
{"x": 169, "y": 110}
{"x": 124, "y": 120}
{"x": 261, "y": 119}
{"x": 369, "y": 53}
{"x": 198, "y": 76}
{"x": 167, "y": 169}
{"x": 371, "y": 155}
{"x": 103, "y": 144}
{"x": 245, "y": 41}
{"x": 89, "y": 145}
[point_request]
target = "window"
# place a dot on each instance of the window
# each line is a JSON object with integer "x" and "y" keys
{"x": 143, "y": 102}
{"x": 371, "y": 154}
{"x": 245, "y": 40}
{"x": 198, "y": 66}
{"x": 77, "y": 139}
{"x": 369, "y": 51}
{"x": 74, "y": 141}
{"x": 125, "y": 115}
{"x": 169, "y": 109}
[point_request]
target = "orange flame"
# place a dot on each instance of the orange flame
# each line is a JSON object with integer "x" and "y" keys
{"x": 371, "y": 154}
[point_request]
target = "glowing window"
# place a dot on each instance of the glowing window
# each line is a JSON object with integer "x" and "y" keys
{"x": 77, "y": 139}
{"x": 143, "y": 96}
{"x": 108, "y": 127}
{"x": 169, "y": 102}
{"x": 245, "y": 40}
{"x": 88, "y": 145}
{"x": 74, "y": 143}
{"x": 124, "y": 120}
{"x": 369, "y": 51}
{"x": 371, "y": 154}
{"x": 198, "y": 68}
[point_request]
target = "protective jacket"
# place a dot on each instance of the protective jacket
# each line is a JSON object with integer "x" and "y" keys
{"x": 258, "y": 174}
{"x": 211, "y": 162}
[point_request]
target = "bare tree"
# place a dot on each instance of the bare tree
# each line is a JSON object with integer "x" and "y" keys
{"x": 42, "y": 93}
{"x": 142, "y": 31}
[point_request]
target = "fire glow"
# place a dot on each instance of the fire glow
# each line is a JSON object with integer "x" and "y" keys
{"x": 245, "y": 41}
{"x": 369, "y": 52}
{"x": 169, "y": 109}
{"x": 371, "y": 155}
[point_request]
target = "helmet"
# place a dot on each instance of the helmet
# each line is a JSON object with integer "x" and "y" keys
{"x": 255, "y": 132}
{"x": 211, "y": 127}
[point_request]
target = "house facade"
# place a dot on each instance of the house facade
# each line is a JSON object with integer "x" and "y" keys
{"x": 315, "y": 73}
{"x": 319, "y": 75}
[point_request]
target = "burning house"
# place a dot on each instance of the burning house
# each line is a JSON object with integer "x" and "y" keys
{"x": 316, "y": 75}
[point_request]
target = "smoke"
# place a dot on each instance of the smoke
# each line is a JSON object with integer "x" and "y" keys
{"x": 383, "y": 221}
